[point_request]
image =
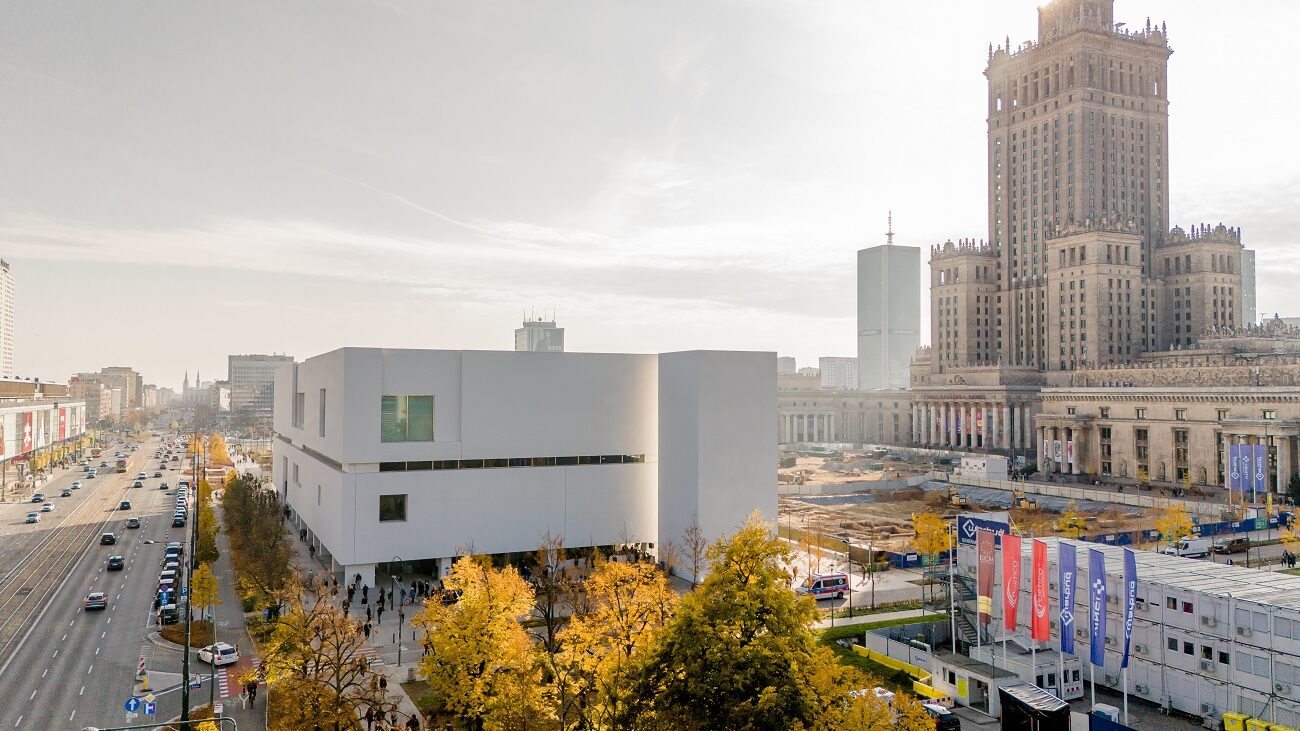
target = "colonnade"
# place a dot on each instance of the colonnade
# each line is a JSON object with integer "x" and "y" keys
{"x": 972, "y": 424}
{"x": 1278, "y": 469}
{"x": 810, "y": 427}
{"x": 1070, "y": 458}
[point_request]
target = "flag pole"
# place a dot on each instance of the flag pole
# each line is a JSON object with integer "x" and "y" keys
{"x": 1092, "y": 681}
{"x": 1124, "y": 675}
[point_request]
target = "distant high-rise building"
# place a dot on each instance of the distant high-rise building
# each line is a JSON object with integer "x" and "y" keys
{"x": 840, "y": 373}
{"x": 252, "y": 385}
{"x": 539, "y": 336}
{"x": 1249, "y": 315}
{"x": 124, "y": 379}
{"x": 7, "y": 298}
{"x": 809, "y": 371}
{"x": 785, "y": 365}
{"x": 889, "y": 313}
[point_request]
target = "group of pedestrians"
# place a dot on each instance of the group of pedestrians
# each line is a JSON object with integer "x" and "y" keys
{"x": 375, "y": 721}
{"x": 1288, "y": 559}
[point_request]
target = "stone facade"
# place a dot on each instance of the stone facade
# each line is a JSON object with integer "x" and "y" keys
{"x": 808, "y": 413}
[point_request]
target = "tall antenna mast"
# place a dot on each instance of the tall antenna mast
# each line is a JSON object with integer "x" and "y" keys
{"x": 889, "y": 235}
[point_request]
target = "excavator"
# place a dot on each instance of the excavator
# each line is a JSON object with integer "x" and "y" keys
{"x": 956, "y": 499}
{"x": 1019, "y": 500}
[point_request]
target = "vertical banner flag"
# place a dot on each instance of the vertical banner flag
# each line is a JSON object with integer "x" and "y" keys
{"x": 984, "y": 580}
{"x": 1056, "y": 451}
{"x": 1010, "y": 580}
{"x": 979, "y": 422}
{"x": 1097, "y": 607}
{"x": 63, "y": 424}
{"x": 1065, "y": 592}
{"x": 1069, "y": 452}
{"x": 1234, "y": 473}
{"x": 27, "y": 432}
{"x": 1040, "y": 626}
{"x": 1261, "y": 470}
{"x": 1130, "y": 600}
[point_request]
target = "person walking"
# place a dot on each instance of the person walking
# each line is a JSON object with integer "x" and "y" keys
{"x": 413, "y": 724}
{"x": 365, "y": 594}
{"x": 381, "y": 599}
{"x": 365, "y": 628}
{"x": 368, "y": 617}
{"x": 370, "y": 719}
{"x": 379, "y": 616}
{"x": 383, "y": 685}
{"x": 311, "y": 550}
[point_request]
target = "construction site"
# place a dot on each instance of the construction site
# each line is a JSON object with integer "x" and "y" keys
{"x": 871, "y": 497}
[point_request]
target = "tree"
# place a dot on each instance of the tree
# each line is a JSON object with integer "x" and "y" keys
{"x": 204, "y": 590}
{"x": 932, "y": 536}
{"x": 695, "y": 546}
{"x": 206, "y": 547}
{"x": 628, "y": 604}
{"x": 315, "y": 667}
{"x": 479, "y": 660}
{"x": 551, "y": 587}
{"x": 1174, "y": 523}
{"x": 254, "y": 521}
{"x": 740, "y": 653}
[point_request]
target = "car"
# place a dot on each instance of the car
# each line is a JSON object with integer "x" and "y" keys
{"x": 103, "y": 464}
{"x": 137, "y": 483}
{"x": 115, "y": 563}
{"x": 219, "y": 654}
{"x": 132, "y": 522}
{"x": 96, "y": 600}
{"x": 172, "y": 565}
{"x": 76, "y": 485}
{"x": 176, "y": 546}
{"x": 67, "y": 492}
{"x": 178, "y": 521}
{"x": 124, "y": 505}
{"x": 1230, "y": 545}
{"x": 157, "y": 474}
{"x": 38, "y": 497}
{"x": 166, "y": 586}
{"x": 107, "y": 539}
{"x": 168, "y": 614}
{"x": 163, "y": 486}
{"x": 141, "y": 476}
{"x": 175, "y": 458}
{"x": 33, "y": 517}
{"x": 47, "y": 508}
{"x": 90, "y": 475}
{"x": 166, "y": 574}
{"x": 944, "y": 719}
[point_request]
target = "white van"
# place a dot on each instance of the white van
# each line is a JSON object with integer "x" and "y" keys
{"x": 1189, "y": 547}
{"x": 825, "y": 585}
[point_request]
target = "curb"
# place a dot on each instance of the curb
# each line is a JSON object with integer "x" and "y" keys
{"x": 157, "y": 639}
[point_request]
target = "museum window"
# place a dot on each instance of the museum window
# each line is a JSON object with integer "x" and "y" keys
{"x": 406, "y": 419}
{"x": 1140, "y": 413}
{"x": 1105, "y": 412}
{"x": 1180, "y": 414}
{"x": 1223, "y": 414}
{"x": 1270, "y": 414}
{"x": 392, "y": 507}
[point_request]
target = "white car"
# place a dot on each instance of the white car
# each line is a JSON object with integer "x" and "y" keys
{"x": 47, "y": 508}
{"x": 219, "y": 654}
{"x": 76, "y": 485}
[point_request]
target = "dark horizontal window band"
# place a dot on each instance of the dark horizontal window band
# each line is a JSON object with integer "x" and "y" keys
{"x": 483, "y": 464}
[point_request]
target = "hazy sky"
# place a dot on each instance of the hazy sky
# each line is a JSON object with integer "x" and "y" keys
{"x": 180, "y": 181}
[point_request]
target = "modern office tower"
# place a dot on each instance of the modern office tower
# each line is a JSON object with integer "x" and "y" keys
{"x": 839, "y": 373}
{"x": 1249, "y": 313}
{"x": 539, "y": 336}
{"x": 251, "y": 381}
{"x": 889, "y": 313}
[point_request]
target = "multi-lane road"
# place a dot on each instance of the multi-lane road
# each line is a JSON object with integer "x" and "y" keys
{"x": 60, "y": 666}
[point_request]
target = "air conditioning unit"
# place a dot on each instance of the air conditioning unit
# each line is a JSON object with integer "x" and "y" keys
{"x": 1141, "y": 689}
{"x": 1110, "y": 641}
{"x": 1140, "y": 649}
{"x": 1053, "y": 624}
{"x": 1112, "y": 679}
{"x": 1243, "y": 632}
{"x": 1207, "y": 665}
{"x": 1112, "y": 599}
{"x": 1208, "y": 708}
{"x": 1209, "y": 622}
{"x": 1282, "y": 688}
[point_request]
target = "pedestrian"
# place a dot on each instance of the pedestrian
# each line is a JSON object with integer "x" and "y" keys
{"x": 368, "y": 617}
{"x": 379, "y": 616}
{"x": 352, "y": 590}
{"x": 381, "y": 599}
{"x": 383, "y": 686}
{"x": 365, "y": 628}
{"x": 392, "y": 721}
{"x": 311, "y": 550}
{"x": 365, "y": 594}
{"x": 252, "y": 691}
{"x": 370, "y": 719}
{"x": 390, "y": 597}
{"x": 358, "y": 580}
{"x": 413, "y": 724}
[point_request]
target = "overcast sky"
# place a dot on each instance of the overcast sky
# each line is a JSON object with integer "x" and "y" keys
{"x": 180, "y": 181}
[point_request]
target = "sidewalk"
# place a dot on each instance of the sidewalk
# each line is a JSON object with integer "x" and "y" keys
{"x": 383, "y": 645}
{"x": 869, "y": 618}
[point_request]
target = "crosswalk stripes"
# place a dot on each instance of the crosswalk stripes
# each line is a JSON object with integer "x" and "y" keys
{"x": 221, "y": 683}
{"x": 372, "y": 657}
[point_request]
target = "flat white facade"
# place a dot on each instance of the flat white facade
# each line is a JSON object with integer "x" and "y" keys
{"x": 1249, "y": 314}
{"x": 28, "y": 426}
{"x": 519, "y": 445}
{"x": 889, "y": 314}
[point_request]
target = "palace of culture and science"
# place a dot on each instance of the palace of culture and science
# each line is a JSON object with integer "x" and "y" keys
{"x": 1085, "y": 333}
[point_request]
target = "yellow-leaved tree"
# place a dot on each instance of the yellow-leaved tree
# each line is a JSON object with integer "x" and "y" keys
{"x": 480, "y": 661}
{"x": 932, "y": 536}
{"x": 1174, "y": 523}
{"x": 204, "y": 591}
{"x": 627, "y": 605}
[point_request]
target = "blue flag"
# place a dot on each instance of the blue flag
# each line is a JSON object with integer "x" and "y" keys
{"x": 1097, "y": 607}
{"x": 1234, "y": 467}
{"x": 1130, "y": 599}
{"x": 1065, "y": 593}
{"x": 1260, "y": 483}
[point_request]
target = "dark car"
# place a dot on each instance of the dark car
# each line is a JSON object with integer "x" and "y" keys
{"x": 115, "y": 563}
{"x": 163, "y": 486}
{"x": 124, "y": 505}
{"x": 133, "y": 522}
{"x": 157, "y": 474}
{"x": 108, "y": 539}
{"x": 944, "y": 719}
{"x": 168, "y": 614}
{"x": 67, "y": 492}
{"x": 178, "y": 521}
{"x": 1230, "y": 545}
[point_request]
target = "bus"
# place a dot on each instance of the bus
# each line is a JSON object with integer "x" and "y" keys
{"x": 121, "y": 465}
{"x": 95, "y": 452}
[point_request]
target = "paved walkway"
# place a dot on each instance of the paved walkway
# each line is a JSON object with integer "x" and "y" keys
{"x": 869, "y": 618}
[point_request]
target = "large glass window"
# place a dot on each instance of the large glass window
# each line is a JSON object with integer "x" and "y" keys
{"x": 406, "y": 419}
{"x": 392, "y": 507}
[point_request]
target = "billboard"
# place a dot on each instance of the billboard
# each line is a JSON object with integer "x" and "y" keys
{"x": 27, "y": 432}
{"x": 984, "y": 579}
{"x": 968, "y": 526}
{"x": 63, "y": 424}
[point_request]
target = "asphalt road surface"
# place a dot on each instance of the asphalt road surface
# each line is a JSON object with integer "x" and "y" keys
{"x": 60, "y": 666}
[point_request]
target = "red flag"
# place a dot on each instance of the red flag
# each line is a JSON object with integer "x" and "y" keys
{"x": 984, "y": 579}
{"x": 1040, "y": 627}
{"x": 1010, "y": 580}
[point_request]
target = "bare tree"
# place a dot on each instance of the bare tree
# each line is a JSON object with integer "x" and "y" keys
{"x": 695, "y": 545}
{"x": 552, "y": 587}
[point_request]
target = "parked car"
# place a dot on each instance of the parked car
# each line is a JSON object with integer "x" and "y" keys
{"x": 1231, "y": 545}
{"x": 944, "y": 719}
{"x": 1189, "y": 547}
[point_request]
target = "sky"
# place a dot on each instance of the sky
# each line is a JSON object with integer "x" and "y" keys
{"x": 182, "y": 181}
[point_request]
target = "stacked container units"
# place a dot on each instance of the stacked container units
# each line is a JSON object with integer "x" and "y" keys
{"x": 1208, "y": 638}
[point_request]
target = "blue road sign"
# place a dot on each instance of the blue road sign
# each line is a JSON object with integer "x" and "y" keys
{"x": 164, "y": 598}
{"x": 194, "y": 681}
{"x": 185, "y": 591}
{"x": 150, "y": 708}
{"x": 132, "y": 704}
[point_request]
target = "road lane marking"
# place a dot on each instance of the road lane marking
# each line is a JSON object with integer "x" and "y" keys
{"x": 102, "y": 634}
{"x": 47, "y": 672}
{"x": 83, "y": 690}
{"x": 96, "y": 650}
{"x": 56, "y": 654}
{"x": 74, "y": 715}
{"x": 20, "y": 720}
{"x": 92, "y": 667}
{"x": 33, "y": 695}
{"x": 65, "y": 637}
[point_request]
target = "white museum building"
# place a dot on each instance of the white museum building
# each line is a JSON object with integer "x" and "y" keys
{"x": 391, "y": 456}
